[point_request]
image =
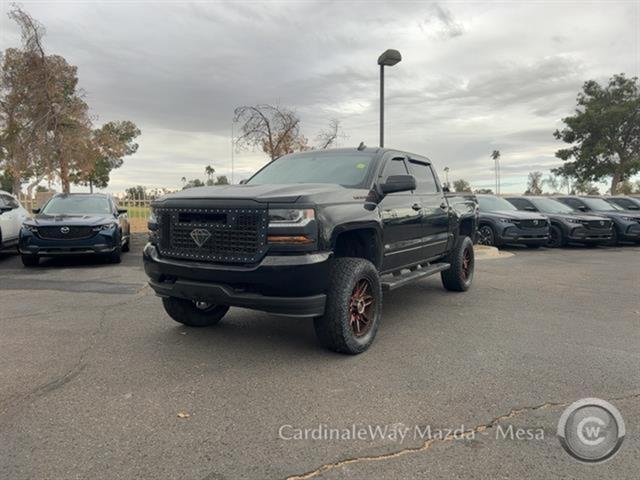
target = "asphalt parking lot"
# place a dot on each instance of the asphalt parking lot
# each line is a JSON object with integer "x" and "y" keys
{"x": 94, "y": 376}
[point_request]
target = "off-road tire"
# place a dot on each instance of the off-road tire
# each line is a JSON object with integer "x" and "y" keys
{"x": 30, "y": 260}
{"x": 458, "y": 278}
{"x": 115, "y": 256}
{"x": 187, "y": 313}
{"x": 334, "y": 329}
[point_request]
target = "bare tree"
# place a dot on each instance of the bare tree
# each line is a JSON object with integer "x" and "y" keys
{"x": 275, "y": 130}
{"x": 329, "y": 137}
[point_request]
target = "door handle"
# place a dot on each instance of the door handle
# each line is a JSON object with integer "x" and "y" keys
{"x": 416, "y": 206}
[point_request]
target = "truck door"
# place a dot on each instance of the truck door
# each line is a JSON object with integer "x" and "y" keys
{"x": 434, "y": 207}
{"x": 401, "y": 217}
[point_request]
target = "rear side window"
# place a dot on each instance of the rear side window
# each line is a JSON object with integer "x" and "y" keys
{"x": 425, "y": 180}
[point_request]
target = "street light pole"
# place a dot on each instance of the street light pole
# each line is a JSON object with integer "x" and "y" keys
{"x": 388, "y": 58}
{"x": 381, "y": 106}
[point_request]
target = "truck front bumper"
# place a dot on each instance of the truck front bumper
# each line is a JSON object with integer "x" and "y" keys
{"x": 284, "y": 284}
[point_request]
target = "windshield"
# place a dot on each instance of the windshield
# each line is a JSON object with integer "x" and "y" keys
{"x": 492, "y": 204}
{"x": 77, "y": 205}
{"x": 549, "y": 205}
{"x": 600, "y": 204}
{"x": 346, "y": 169}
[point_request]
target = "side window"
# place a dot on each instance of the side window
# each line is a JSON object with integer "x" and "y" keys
{"x": 626, "y": 203}
{"x": 395, "y": 166}
{"x": 425, "y": 180}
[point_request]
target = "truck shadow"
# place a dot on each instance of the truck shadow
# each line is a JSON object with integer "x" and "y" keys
{"x": 279, "y": 338}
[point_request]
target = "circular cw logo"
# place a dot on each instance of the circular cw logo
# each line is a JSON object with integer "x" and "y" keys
{"x": 591, "y": 430}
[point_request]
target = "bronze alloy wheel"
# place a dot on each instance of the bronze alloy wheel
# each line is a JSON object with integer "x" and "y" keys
{"x": 466, "y": 263}
{"x": 361, "y": 308}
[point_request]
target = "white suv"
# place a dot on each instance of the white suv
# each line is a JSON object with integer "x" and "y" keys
{"x": 12, "y": 214}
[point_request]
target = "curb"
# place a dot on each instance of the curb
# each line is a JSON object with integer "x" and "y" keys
{"x": 483, "y": 252}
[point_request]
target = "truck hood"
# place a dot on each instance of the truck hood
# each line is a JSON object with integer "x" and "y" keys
{"x": 261, "y": 193}
{"x": 42, "y": 220}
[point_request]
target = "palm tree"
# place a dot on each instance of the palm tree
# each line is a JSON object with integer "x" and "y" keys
{"x": 209, "y": 171}
{"x": 495, "y": 156}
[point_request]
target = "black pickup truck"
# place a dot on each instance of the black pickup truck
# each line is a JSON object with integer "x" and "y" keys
{"x": 316, "y": 234}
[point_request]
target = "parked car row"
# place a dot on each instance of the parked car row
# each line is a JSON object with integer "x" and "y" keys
{"x": 556, "y": 221}
{"x": 67, "y": 224}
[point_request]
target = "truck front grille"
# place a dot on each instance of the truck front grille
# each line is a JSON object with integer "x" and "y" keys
{"x": 65, "y": 233}
{"x": 222, "y": 235}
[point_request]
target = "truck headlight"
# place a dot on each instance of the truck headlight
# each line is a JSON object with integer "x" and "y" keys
{"x": 629, "y": 219}
{"x": 505, "y": 220}
{"x": 290, "y": 217}
{"x": 573, "y": 220}
{"x": 31, "y": 228}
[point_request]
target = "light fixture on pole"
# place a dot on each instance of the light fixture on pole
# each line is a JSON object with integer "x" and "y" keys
{"x": 388, "y": 59}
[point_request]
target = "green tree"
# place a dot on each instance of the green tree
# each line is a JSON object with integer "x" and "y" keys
{"x": 105, "y": 151}
{"x": 137, "y": 192}
{"x": 461, "y": 185}
{"x": 534, "y": 184}
{"x": 604, "y": 133}
{"x": 584, "y": 187}
{"x": 196, "y": 182}
{"x": 45, "y": 127}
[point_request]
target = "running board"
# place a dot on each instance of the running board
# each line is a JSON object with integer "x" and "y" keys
{"x": 405, "y": 278}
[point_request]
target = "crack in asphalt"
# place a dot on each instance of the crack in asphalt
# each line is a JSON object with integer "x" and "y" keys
{"x": 429, "y": 443}
{"x": 78, "y": 366}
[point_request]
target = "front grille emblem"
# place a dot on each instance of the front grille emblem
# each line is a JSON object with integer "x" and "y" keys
{"x": 64, "y": 230}
{"x": 601, "y": 222}
{"x": 535, "y": 222}
{"x": 200, "y": 236}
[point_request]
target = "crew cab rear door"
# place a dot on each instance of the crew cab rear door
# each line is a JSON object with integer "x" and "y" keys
{"x": 401, "y": 219}
{"x": 434, "y": 208}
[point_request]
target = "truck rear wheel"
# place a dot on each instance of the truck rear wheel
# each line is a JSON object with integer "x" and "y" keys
{"x": 194, "y": 314}
{"x": 354, "y": 306}
{"x": 459, "y": 277}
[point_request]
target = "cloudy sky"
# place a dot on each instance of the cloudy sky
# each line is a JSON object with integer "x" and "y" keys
{"x": 475, "y": 76}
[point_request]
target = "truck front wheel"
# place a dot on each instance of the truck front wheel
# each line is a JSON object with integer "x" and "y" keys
{"x": 459, "y": 276}
{"x": 354, "y": 306}
{"x": 194, "y": 314}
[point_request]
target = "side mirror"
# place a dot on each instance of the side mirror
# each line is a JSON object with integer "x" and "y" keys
{"x": 122, "y": 211}
{"x": 398, "y": 183}
{"x": 582, "y": 208}
{"x": 530, "y": 209}
{"x": 35, "y": 210}
{"x": 243, "y": 181}
{"x": 446, "y": 189}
